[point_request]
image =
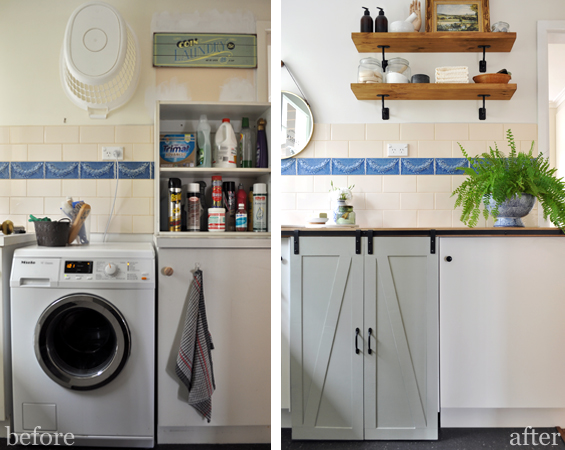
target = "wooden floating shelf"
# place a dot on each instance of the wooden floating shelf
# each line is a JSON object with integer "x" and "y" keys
{"x": 432, "y": 91}
{"x": 440, "y": 42}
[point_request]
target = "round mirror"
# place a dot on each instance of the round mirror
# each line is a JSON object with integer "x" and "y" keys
{"x": 297, "y": 124}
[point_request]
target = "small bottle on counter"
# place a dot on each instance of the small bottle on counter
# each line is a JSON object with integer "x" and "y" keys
{"x": 241, "y": 218}
{"x": 259, "y": 207}
{"x": 366, "y": 21}
{"x": 381, "y": 22}
{"x": 193, "y": 201}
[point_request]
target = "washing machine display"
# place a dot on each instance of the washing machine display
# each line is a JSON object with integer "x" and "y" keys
{"x": 82, "y": 342}
{"x": 78, "y": 266}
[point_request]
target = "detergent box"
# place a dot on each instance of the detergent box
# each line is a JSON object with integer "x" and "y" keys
{"x": 178, "y": 150}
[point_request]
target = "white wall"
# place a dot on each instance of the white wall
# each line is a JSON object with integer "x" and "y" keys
{"x": 317, "y": 46}
{"x": 31, "y": 35}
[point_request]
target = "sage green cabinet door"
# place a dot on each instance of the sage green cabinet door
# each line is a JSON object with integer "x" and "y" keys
{"x": 401, "y": 308}
{"x": 326, "y": 308}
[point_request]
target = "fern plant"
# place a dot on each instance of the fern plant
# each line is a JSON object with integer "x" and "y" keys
{"x": 494, "y": 175}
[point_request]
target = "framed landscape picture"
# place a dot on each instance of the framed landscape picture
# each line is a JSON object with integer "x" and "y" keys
{"x": 457, "y": 15}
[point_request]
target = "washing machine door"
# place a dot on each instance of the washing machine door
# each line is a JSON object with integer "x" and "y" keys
{"x": 82, "y": 341}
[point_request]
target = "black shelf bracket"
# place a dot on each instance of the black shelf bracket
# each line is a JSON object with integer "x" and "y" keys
{"x": 386, "y": 114}
{"x": 483, "y": 62}
{"x": 384, "y": 62}
{"x": 432, "y": 241}
{"x": 357, "y": 242}
{"x": 483, "y": 110}
{"x": 296, "y": 246}
{"x": 370, "y": 234}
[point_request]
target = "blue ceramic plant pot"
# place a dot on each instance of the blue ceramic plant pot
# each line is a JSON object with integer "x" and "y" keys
{"x": 512, "y": 210}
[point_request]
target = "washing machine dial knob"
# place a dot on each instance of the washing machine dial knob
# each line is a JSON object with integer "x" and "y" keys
{"x": 110, "y": 269}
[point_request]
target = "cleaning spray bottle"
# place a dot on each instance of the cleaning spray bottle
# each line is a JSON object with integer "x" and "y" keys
{"x": 203, "y": 142}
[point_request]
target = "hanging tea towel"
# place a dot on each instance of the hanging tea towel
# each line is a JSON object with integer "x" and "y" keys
{"x": 194, "y": 361}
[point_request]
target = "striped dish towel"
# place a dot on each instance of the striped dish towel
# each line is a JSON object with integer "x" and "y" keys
{"x": 453, "y": 74}
{"x": 194, "y": 361}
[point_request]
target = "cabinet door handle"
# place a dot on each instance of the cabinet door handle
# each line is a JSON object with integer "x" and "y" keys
{"x": 369, "y": 341}
{"x": 168, "y": 271}
{"x": 357, "y": 330}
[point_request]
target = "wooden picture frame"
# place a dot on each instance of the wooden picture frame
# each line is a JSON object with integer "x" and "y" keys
{"x": 457, "y": 15}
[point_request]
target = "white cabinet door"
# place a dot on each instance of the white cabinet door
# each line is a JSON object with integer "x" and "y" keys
{"x": 285, "y": 323}
{"x": 326, "y": 311}
{"x": 401, "y": 311}
{"x": 238, "y": 298}
{"x": 502, "y": 328}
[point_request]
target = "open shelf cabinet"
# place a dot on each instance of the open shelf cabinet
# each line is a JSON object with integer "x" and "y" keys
{"x": 183, "y": 117}
{"x": 421, "y": 91}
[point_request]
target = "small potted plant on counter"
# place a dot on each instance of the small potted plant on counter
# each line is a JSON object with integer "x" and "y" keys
{"x": 343, "y": 213}
{"x": 508, "y": 186}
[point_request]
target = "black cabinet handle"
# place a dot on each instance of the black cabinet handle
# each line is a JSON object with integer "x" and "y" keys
{"x": 369, "y": 341}
{"x": 357, "y": 330}
{"x": 448, "y": 258}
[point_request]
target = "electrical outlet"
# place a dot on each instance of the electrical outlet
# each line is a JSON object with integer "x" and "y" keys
{"x": 108, "y": 153}
{"x": 397, "y": 150}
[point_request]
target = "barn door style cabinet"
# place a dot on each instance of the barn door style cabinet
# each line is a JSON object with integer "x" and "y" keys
{"x": 364, "y": 339}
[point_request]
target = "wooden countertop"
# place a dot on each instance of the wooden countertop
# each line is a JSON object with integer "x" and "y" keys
{"x": 464, "y": 231}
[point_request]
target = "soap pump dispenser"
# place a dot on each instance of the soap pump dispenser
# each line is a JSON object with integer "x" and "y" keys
{"x": 366, "y": 22}
{"x": 381, "y": 22}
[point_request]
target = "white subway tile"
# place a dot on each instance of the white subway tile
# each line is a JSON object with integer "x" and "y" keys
{"x": 143, "y": 188}
{"x": 365, "y": 149}
{"x": 26, "y": 205}
{"x": 322, "y": 132}
{"x": 502, "y": 146}
{"x": 26, "y": 135}
{"x": 297, "y": 183}
{"x": 456, "y": 220}
{"x": 417, "y": 131}
{"x": 522, "y": 131}
{"x": 473, "y": 148}
{"x": 61, "y": 135}
{"x": 444, "y": 201}
{"x": 412, "y": 147}
{"x": 432, "y": 219}
{"x": 143, "y": 224}
{"x": 143, "y": 152}
{"x": 331, "y": 149}
{"x": 416, "y": 201}
{"x": 18, "y": 188}
{"x": 457, "y": 180}
{"x": 399, "y": 183}
{"x": 434, "y": 149}
{"x": 100, "y": 205}
{"x": 322, "y": 183}
{"x": 298, "y": 218}
{"x": 525, "y": 146}
{"x": 107, "y": 188}
{"x": 358, "y": 201}
{"x": 132, "y": 206}
{"x": 369, "y": 219}
{"x": 288, "y": 201}
{"x": 13, "y": 152}
{"x": 348, "y": 132}
{"x": 308, "y": 151}
{"x": 312, "y": 201}
{"x": 382, "y": 201}
{"x": 365, "y": 183}
{"x": 96, "y": 134}
{"x": 4, "y": 206}
{"x": 44, "y": 188}
{"x": 428, "y": 183}
{"x": 118, "y": 224}
{"x": 52, "y": 205}
{"x": 138, "y": 134}
{"x": 382, "y": 131}
{"x": 400, "y": 219}
{"x": 4, "y": 135}
{"x": 452, "y": 132}
{"x": 486, "y": 132}
{"x": 80, "y": 152}
{"x": 44, "y": 152}
{"x": 79, "y": 188}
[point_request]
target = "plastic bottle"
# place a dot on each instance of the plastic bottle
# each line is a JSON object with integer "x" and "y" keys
{"x": 203, "y": 142}
{"x": 241, "y": 196}
{"x": 259, "y": 207}
{"x": 381, "y": 22}
{"x": 225, "y": 153}
{"x": 245, "y": 156}
{"x": 217, "y": 201}
{"x": 241, "y": 218}
{"x": 229, "y": 204}
{"x": 250, "y": 210}
{"x": 262, "y": 149}
{"x": 193, "y": 202}
{"x": 175, "y": 194}
{"x": 216, "y": 219}
{"x": 366, "y": 21}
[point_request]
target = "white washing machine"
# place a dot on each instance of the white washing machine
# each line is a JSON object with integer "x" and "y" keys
{"x": 83, "y": 343}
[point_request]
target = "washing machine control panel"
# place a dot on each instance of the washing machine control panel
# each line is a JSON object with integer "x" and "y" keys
{"x": 107, "y": 270}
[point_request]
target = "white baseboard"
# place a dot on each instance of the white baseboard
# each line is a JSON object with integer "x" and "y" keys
{"x": 286, "y": 421}
{"x": 214, "y": 435}
{"x": 502, "y": 417}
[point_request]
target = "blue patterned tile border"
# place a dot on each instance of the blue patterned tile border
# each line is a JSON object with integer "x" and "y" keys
{"x": 383, "y": 166}
{"x": 313, "y": 166}
{"x": 348, "y": 166}
{"x": 27, "y": 170}
{"x": 288, "y": 167}
{"x": 97, "y": 170}
{"x": 61, "y": 170}
{"x": 448, "y": 166}
{"x": 371, "y": 166}
{"x": 4, "y": 170}
{"x": 134, "y": 170}
{"x": 417, "y": 166}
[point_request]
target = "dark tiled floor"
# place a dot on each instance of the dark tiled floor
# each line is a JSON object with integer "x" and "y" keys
{"x": 449, "y": 439}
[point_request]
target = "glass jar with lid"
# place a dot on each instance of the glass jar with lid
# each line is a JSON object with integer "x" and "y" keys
{"x": 370, "y": 71}
{"x": 397, "y": 71}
